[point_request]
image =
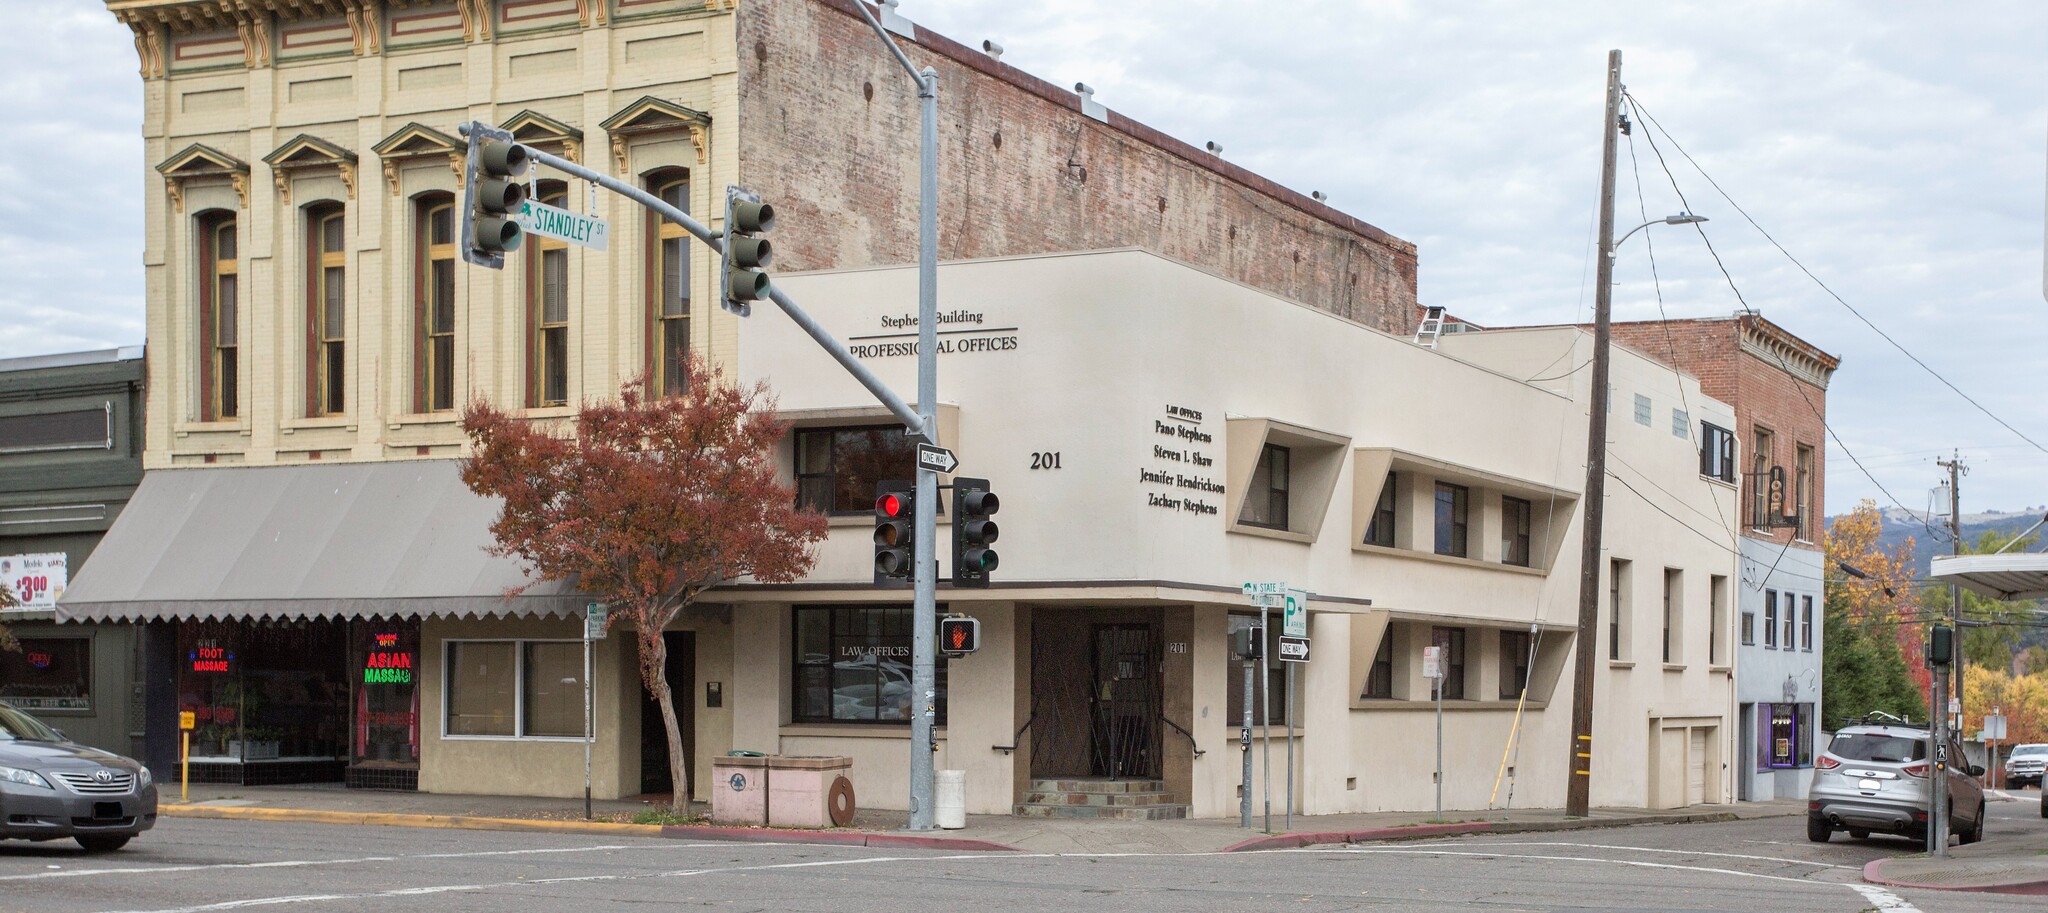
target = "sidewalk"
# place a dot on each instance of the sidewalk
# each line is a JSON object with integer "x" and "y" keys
{"x": 2000, "y": 866}
{"x": 335, "y": 805}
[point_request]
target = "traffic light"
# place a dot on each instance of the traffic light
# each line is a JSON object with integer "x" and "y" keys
{"x": 493, "y": 196}
{"x": 959, "y": 635}
{"x": 895, "y": 530}
{"x": 973, "y": 532}
{"x": 744, "y": 279}
{"x": 1941, "y": 646}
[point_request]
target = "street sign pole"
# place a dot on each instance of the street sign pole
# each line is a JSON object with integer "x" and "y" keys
{"x": 1287, "y": 813}
{"x": 593, "y": 629}
{"x": 1244, "y": 741}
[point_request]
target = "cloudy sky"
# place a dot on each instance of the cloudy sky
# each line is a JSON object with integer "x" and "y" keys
{"x": 1898, "y": 151}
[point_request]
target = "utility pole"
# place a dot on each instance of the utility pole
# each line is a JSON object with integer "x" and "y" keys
{"x": 1578, "y": 791}
{"x": 1956, "y": 470}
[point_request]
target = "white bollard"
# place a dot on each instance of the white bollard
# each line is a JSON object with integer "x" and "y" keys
{"x": 949, "y": 806}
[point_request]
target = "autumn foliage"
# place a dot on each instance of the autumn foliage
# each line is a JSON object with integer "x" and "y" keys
{"x": 1853, "y": 540}
{"x": 646, "y": 503}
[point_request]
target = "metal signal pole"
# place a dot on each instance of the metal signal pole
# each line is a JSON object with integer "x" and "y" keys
{"x": 1578, "y": 794}
{"x": 1956, "y": 469}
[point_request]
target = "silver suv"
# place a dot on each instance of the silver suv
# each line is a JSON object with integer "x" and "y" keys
{"x": 1874, "y": 777}
{"x": 2025, "y": 764}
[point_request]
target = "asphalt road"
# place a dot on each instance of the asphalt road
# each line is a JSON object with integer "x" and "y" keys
{"x": 201, "y": 865}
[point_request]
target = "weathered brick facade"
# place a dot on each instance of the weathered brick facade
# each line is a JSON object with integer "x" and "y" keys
{"x": 1776, "y": 381}
{"x": 829, "y": 132}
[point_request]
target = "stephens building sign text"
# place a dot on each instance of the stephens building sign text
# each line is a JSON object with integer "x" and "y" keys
{"x": 960, "y": 332}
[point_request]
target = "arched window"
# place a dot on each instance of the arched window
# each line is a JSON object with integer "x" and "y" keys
{"x": 668, "y": 287}
{"x": 547, "y": 310}
{"x": 434, "y": 303}
{"x": 219, "y": 295}
{"x": 326, "y": 310}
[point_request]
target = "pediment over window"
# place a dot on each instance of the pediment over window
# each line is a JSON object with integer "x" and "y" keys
{"x": 652, "y": 115}
{"x": 306, "y": 151}
{"x": 414, "y": 141}
{"x": 534, "y": 128}
{"x": 199, "y": 161}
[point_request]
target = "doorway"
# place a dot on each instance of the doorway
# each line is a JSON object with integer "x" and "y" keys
{"x": 681, "y": 673}
{"x": 1125, "y": 714}
{"x": 1095, "y": 693}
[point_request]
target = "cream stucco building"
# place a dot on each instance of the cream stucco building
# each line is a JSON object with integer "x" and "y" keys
{"x": 1222, "y": 392}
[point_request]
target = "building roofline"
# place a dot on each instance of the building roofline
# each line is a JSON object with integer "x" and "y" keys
{"x": 70, "y": 359}
{"x": 976, "y": 60}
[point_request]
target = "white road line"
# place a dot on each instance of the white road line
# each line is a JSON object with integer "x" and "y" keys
{"x": 1624, "y": 862}
{"x": 1645, "y": 849}
{"x": 302, "y": 863}
{"x": 1883, "y": 899}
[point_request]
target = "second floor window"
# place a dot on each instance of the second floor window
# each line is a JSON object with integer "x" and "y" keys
{"x": 837, "y": 468}
{"x": 326, "y": 311}
{"x": 1514, "y": 531}
{"x": 1453, "y": 509}
{"x": 219, "y": 296}
{"x": 1451, "y": 644}
{"x": 1380, "y": 531}
{"x": 1717, "y": 452}
{"x": 668, "y": 281}
{"x": 434, "y": 359}
{"x": 1770, "y": 619}
{"x": 547, "y": 292}
{"x": 1514, "y": 663}
{"x": 1265, "y": 501}
{"x": 1806, "y": 623}
{"x": 1379, "y": 681}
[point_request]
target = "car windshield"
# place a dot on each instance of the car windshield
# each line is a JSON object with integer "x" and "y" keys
{"x": 16, "y": 726}
{"x": 2027, "y": 750}
{"x": 1871, "y": 746}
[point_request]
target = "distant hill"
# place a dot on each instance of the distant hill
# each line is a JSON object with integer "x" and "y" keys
{"x": 1901, "y": 524}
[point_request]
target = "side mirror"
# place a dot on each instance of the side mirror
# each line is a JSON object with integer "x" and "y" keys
{"x": 1976, "y": 771}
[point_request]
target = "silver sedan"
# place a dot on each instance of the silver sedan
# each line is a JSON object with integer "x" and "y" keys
{"x": 52, "y": 788}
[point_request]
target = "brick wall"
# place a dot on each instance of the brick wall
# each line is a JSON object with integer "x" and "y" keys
{"x": 829, "y": 134}
{"x": 1761, "y": 390}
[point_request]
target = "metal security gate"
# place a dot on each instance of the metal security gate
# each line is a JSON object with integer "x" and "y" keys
{"x": 1124, "y": 702}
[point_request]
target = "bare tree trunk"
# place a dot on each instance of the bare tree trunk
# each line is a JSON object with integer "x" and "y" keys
{"x": 654, "y": 653}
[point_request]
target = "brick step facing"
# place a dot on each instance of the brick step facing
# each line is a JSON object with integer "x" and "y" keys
{"x": 1100, "y": 798}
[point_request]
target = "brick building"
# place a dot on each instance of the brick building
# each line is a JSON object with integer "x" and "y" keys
{"x": 1777, "y": 384}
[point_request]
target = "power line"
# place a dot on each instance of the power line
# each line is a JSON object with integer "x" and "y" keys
{"x": 1637, "y": 105}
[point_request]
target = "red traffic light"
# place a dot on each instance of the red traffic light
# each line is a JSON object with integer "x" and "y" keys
{"x": 890, "y": 506}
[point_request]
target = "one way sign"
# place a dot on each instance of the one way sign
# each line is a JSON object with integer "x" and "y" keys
{"x": 936, "y": 459}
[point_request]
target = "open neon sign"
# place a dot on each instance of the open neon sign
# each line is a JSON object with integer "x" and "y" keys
{"x": 387, "y": 665}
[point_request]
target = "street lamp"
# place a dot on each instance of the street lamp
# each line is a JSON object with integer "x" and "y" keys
{"x": 1682, "y": 218}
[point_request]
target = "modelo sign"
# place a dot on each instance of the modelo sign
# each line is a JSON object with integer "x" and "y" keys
{"x": 37, "y": 581}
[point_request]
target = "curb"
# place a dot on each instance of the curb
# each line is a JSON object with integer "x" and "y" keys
{"x": 1425, "y": 831}
{"x": 672, "y": 831}
{"x": 1873, "y": 872}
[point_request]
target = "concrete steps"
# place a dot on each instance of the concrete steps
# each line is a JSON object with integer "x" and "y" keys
{"x": 1135, "y": 800}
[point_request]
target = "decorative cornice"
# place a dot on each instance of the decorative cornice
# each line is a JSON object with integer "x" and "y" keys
{"x": 650, "y": 115}
{"x": 416, "y": 140}
{"x": 202, "y": 161}
{"x": 308, "y": 151}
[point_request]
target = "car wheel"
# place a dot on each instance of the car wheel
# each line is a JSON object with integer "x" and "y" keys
{"x": 1976, "y": 831}
{"x": 104, "y": 843}
{"x": 1859, "y": 835}
{"x": 1817, "y": 830}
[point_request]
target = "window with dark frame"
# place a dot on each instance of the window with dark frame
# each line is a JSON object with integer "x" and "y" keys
{"x": 1265, "y": 500}
{"x": 1770, "y": 619}
{"x": 1452, "y": 643}
{"x": 852, "y": 665}
{"x": 1514, "y": 663}
{"x": 1453, "y": 510}
{"x": 1379, "y": 680}
{"x": 434, "y": 314}
{"x": 326, "y": 310}
{"x": 1791, "y": 624}
{"x": 547, "y": 293}
{"x": 1759, "y": 478}
{"x": 1749, "y": 628}
{"x": 1672, "y": 590}
{"x": 219, "y": 323}
{"x": 1803, "y": 491}
{"x": 1617, "y": 610}
{"x": 1717, "y": 452}
{"x": 48, "y": 673}
{"x": 1515, "y": 514}
{"x": 1717, "y": 636}
{"x": 69, "y": 429}
{"x": 668, "y": 288}
{"x": 1806, "y": 623}
{"x": 1380, "y": 531}
{"x": 837, "y": 468}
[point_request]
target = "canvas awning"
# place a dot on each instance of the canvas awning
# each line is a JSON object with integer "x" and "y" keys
{"x": 344, "y": 540}
{"x": 2015, "y": 576}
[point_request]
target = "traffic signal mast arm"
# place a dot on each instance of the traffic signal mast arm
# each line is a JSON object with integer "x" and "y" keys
{"x": 913, "y": 424}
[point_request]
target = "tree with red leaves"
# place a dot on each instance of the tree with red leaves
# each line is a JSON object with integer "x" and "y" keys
{"x": 648, "y": 504}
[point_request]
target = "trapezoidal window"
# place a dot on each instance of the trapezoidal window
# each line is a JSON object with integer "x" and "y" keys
{"x": 219, "y": 301}
{"x": 547, "y": 304}
{"x": 326, "y": 310}
{"x": 434, "y": 304}
{"x": 668, "y": 288}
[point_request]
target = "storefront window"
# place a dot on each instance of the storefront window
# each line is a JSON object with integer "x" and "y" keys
{"x": 480, "y": 688}
{"x": 1786, "y": 736}
{"x": 515, "y": 689}
{"x": 554, "y": 689}
{"x": 387, "y": 705}
{"x": 49, "y": 673}
{"x": 265, "y": 691}
{"x": 853, "y": 665}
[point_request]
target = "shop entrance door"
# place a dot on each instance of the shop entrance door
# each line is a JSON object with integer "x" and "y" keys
{"x": 682, "y": 685}
{"x": 1124, "y": 738}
